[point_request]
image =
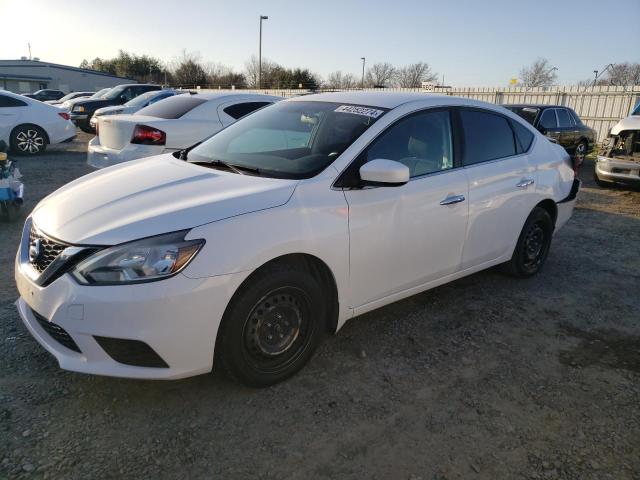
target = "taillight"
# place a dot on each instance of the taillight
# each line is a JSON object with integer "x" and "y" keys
{"x": 64, "y": 115}
{"x": 145, "y": 135}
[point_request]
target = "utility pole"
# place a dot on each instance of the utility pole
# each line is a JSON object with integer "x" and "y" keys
{"x": 29, "y": 50}
{"x": 362, "y": 81}
{"x": 262, "y": 17}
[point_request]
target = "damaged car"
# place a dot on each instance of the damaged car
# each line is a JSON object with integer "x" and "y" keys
{"x": 619, "y": 158}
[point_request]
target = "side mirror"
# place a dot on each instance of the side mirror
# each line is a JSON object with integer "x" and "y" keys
{"x": 384, "y": 173}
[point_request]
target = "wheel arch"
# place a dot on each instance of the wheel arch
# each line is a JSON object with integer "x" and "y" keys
{"x": 551, "y": 208}
{"x": 318, "y": 268}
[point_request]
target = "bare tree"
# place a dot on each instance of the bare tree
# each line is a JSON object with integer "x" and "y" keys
{"x": 380, "y": 75}
{"x": 539, "y": 74}
{"x": 269, "y": 69}
{"x": 338, "y": 79}
{"x": 412, "y": 76}
{"x": 623, "y": 74}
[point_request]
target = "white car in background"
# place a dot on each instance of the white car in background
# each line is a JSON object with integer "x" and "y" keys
{"x": 172, "y": 124}
{"x": 135, "y": 104}
{"x": 283, "y": 226}
{"x": 28, "y": 125}
{"x": 70, "y": 96}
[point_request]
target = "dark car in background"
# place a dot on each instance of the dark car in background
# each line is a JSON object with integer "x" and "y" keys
{"x": 562, "y": 125}
{"x": 46, "y": 94}
{"x": 83, "y": 110}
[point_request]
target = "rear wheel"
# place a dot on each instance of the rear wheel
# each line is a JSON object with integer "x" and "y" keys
{"x": 28, "y": 140}
{"x": 272, "y": 326}
{"x": 533, "y": 245}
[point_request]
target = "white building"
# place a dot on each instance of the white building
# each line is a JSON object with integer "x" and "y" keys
{"x": 26, "y": 76}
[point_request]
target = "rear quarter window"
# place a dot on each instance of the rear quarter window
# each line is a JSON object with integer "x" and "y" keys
{"x": 524, "y": 136}
{"x": 241, "y": 109}
{"x": 173, "y": 107}
{"x": 6, "y": 101}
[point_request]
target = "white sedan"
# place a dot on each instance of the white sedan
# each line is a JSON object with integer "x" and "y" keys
{"x": 28, "y": 125}
{"x": 172, "y": 124}
{"x": 282, "y": 227}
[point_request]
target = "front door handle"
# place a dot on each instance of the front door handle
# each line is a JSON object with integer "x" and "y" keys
{"x": 451, "y": 199}
{"x": 525, "y": 182}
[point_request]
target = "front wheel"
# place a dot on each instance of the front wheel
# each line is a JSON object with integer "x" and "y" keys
{"x": 533, "y": 245}
{"x": 272, "y": 326}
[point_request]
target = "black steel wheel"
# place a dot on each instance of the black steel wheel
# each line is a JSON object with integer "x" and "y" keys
{"x": 28, "y": 140}
{"x": 533, "y": 245}
{"x": 272, "y": 325}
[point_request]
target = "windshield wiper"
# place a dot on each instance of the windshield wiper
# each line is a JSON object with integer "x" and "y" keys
{"x": 239, "y": 169}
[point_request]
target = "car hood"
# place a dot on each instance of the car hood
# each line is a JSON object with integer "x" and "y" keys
{"x": 151, "y": 196}
{"x": 94, "y": 104}
{"x": 632, "y": 122}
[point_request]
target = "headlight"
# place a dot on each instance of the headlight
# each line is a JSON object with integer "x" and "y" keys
{"x": 145, "y": 260}
{"x": 78, "y": 108}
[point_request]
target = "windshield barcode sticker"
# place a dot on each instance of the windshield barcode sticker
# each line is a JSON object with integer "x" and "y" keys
{"x": 369, "y": 112}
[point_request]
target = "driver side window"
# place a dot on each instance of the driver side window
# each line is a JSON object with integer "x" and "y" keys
{"x": 422, "y": 142}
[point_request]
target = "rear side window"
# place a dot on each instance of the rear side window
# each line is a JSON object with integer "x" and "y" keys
{"x": 564, "y": 121}
{"x": 548, "y": 119}
{"x": 241, "y": 109}
{"x": 524, "y": 137}
{"x": 173, "y": 107}
{"x": 487, "y": 136}
{"x": 11, "y": 102}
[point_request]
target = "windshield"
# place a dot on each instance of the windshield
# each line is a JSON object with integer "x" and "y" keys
{"x": 114, "y": 93}
{"x": 289, "y": 139}
{"x": 528, "y": 113}
{"x": 100, "y": 93}
{"x": 142, "y": 99}
{"x": 636, "y": 111}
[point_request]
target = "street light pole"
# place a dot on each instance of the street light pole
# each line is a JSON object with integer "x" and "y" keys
{"x": 262, "y": 17}
{"x": 362, "y": 81}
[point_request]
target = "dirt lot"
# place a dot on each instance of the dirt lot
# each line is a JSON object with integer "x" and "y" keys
{"x": 485, "y": 378}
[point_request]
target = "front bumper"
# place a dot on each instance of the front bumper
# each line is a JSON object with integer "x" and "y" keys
{"x": 617, "y": 170}
{"x": 99, "y": 156}
{"x": 178, "y": 318}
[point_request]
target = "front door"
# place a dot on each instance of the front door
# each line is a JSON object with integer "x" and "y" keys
{"x": 403, "y": 237}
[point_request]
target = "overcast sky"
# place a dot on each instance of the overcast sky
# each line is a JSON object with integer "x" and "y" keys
{"x": 469, "y": 42}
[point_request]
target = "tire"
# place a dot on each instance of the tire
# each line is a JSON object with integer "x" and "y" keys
{"x": 533, "y": 245}
{"x": 579, "y": 154}
{"x": 272, "y": 325}
{"x": 28, "y": 140}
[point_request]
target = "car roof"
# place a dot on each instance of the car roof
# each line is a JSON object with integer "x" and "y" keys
{"x": 534, "y": 105}
{"x": 234, "y": 96}
{"x": 391, "y": 100}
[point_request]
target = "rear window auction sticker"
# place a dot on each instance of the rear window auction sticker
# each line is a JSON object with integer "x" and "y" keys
{"x": 366, "y": 111}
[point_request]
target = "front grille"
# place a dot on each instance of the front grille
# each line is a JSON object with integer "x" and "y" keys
{"x": 49, "y": 250}
{"x": 56, "y": 332}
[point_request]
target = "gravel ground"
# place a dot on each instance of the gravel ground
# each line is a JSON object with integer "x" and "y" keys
{"x": 485, "y": 378}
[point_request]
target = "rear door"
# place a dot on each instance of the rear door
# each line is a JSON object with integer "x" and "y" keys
{"x": 548, "y": 124}
{"x": 568, "y": 133}
{"x": 501, "y": 180}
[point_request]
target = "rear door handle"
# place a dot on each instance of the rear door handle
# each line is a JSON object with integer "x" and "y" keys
{"x": 525, "y": 182}
{"x": 450, "y": 200}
